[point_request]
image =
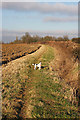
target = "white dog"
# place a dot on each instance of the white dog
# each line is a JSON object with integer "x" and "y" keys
{"x": 37, "y": 65}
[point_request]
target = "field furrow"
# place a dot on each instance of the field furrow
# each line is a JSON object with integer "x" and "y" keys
{"x": 13, "y": 51}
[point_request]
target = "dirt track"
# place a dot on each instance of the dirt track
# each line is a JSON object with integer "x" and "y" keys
{"x": 10, "y": 72}
{"x": 63, "y": 63}
{"x": 15, "y": 65}
{"x": 22, "y": 70}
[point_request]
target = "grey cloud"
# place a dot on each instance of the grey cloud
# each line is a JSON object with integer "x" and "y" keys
{"x": 61, "y": 19}
{"x": 61, "y": 8}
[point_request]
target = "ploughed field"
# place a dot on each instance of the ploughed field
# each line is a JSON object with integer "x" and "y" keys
{"x": 14, "y": 51}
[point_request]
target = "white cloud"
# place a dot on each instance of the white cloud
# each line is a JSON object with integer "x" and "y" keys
{"x": 61, "y": 19}
{"x": 42, "y": 7}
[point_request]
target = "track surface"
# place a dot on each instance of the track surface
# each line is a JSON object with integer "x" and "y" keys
{"x": 29, "y": 93}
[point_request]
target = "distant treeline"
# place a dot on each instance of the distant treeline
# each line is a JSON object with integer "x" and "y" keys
{"x": 27, "y": 38}
{"x": 76, "y": 40}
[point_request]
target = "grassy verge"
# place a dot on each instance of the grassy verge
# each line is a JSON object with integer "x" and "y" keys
{"x": 47, "y": 96}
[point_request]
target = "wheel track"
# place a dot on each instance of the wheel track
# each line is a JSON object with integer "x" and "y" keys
{"x": 13, "y": 67}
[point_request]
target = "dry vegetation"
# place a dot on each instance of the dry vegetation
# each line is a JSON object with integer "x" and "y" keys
{"x": 14, "y": 51}
{"x": 66, "y": 60}
{"x": 51, "y": 92}
{"x": 66, "y": 63}
{"x": 14, "y": 83}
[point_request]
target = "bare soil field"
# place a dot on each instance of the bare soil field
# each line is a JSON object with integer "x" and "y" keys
{"x": 14, "y": 51}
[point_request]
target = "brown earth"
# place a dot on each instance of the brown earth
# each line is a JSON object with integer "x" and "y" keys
{"x": 13, "y": 51}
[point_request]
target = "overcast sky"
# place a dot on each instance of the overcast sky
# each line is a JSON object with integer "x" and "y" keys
{"x": 41, "y": 18}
